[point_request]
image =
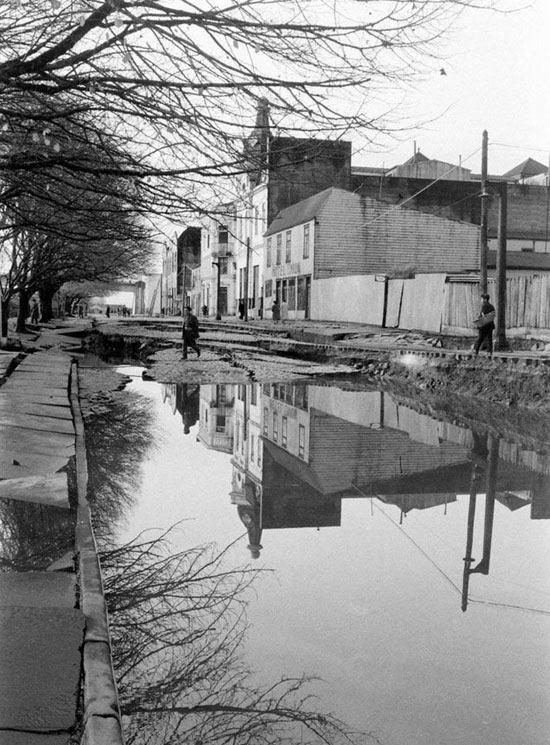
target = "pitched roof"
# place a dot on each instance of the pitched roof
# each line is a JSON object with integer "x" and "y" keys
{"x": 300, "y": 212}
{"x": 418, "y": 157}
{"x": 528, "y": 167}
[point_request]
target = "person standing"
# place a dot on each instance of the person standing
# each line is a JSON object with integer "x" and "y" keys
{"x": 485, "y": 331}
{"x": 276, "y": 311}
{"x": 35, "y": 311}
{"x": 241, "y": 309}
{"x": 190, "y": 332}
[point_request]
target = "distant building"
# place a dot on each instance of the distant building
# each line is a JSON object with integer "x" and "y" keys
{"x": 278, "y": 171}
{"x": 217, "y": 264}
{"x": 179, "y": 260}
{"x": 523, "y": 172}
{"x": 456, "y": 195}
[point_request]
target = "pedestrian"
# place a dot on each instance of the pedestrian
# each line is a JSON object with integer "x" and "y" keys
{"x": 241, "y": 310}
{"x": 485, "y": 326}
{"x": 276, "y": 311}
{"x": 205, "y": 310}
{"x": 190, "y": 332}
{"x": 35, "y": 311}
{"x": 108, "y": 311}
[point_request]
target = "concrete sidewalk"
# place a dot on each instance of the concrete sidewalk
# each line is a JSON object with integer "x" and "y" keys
{"x": 41, "y": 630}
{"x": 56, "y": 679}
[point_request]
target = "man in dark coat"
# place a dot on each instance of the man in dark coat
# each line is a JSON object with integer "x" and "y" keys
{"x": 485, "y": 332}
{"x": 190, "y": 332}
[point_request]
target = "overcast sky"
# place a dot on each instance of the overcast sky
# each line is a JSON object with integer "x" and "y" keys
{"x": 498, "y": 67}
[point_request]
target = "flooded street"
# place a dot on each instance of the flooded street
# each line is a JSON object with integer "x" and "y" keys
{"x": 409, "y": 555}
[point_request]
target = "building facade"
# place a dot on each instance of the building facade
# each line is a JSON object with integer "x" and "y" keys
{"x": 330, "y": 257}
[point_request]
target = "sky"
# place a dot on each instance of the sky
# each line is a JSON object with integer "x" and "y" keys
{"x": 497, "y": 77}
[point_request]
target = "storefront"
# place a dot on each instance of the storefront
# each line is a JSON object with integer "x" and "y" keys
{"x": 293, "y": 294}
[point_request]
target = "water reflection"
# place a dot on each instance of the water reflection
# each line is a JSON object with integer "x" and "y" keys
{"x": 298, "y": 450}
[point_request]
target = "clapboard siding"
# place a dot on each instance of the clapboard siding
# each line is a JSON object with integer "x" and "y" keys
{"x": 359, "y": 235}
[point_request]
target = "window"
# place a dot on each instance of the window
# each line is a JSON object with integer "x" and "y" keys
{"x": 268, "y": 288}
{"x": 253, "y": 395}
{"x": 268, "y": 252}
{"x": 284, "y": 431}
{"x": 220, "y": 423}
{"x": 275, "y": 427}
{"x": 266, "y": 423}
{"x": 305, "y": 244}
{"x": 240, "y": 392}
{"x": 222, "y": 264}
{"x": 237, "y": 435}
{"x": 256, "y": 220}
{"x": 288, "y": 246}
{"x": 252, "y": 448}
{"x": 279, "y": 248}
{"x": 284, "y": 291}
{"x": 221, "y": 395}
{"x": 301, "y": 440}
{"x": 223, "y": 234}
{"x": 263, "y": 216}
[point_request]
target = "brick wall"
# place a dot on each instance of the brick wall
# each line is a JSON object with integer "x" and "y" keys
{"x": 300, "y": 168}
{"x": 459, "y": 200}
{"x": 357, "y": 235}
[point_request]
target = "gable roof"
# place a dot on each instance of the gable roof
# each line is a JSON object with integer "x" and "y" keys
{"x": 418, "y": 157}
{"x": 300, "y": 212}
{"x": 528, "y": 167}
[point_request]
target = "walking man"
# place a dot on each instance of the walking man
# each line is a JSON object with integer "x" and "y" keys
{"x": 486, "y": 327}
{"x": 190, "y": 332}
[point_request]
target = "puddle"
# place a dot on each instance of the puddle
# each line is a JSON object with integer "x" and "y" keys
{"x": 410, "y": 555}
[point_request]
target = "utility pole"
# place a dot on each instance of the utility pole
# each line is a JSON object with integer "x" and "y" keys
{"x": 501, "y": 342}
{"x": 246, "y": 275}
{"x": 483, "y": 221}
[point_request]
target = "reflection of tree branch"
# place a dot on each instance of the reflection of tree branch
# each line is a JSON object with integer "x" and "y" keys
{"x": 178, "y": 624}
{"x": 118, "y": 435}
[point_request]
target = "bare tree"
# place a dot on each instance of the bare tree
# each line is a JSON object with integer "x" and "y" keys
{"x": 58, "y": 226}
{"x": 175, "y": 82}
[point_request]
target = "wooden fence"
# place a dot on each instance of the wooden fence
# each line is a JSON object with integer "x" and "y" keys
{"x": 527, "y": 303}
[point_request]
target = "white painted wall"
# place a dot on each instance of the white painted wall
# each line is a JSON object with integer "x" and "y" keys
{"x": 358, "y": 299}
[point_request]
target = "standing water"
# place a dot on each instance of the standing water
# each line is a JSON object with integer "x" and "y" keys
{"x": 409, "y": 555}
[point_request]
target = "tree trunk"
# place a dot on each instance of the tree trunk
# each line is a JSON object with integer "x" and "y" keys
{"x": 23, "y": 311}
{"x": 46, "y": 303}
{"x": 5, "y": 314}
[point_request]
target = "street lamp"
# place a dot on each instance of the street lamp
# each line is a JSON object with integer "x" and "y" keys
{"x": 218, "y": 314}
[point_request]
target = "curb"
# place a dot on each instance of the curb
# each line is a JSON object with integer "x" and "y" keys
{"x": 101, "y": 720}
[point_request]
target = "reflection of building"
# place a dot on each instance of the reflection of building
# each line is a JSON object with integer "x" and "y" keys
{"x": 298, "y": 450}
{"x": 216, "y": 417}
{"x": 247, "y": 462}
{"x": 183, "y": 398}
{"x": 319, "y": 445}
